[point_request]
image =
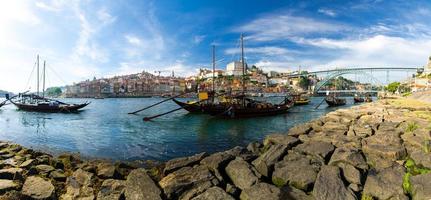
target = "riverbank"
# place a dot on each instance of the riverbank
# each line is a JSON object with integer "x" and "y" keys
{"x": 372, "y": 151}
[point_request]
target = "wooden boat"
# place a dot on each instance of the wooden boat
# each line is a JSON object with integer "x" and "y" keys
{"x": 300, "y": 100}
{"x": 358, "y": 99}
{"x": 335, "y": 101}
{"x": 37, "y": 103}
{"x": 241, "y": 108}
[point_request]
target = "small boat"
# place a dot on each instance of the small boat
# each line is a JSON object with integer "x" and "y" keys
{"x": 358, "y": 99}
{"x": 335, "y": 101}
{"x": 300, "y": 100}
{"x": 192, "y": 107}
{"x": 37, "y": 103}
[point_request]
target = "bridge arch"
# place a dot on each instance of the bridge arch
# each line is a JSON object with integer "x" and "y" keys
{"x": 335, "y": 74}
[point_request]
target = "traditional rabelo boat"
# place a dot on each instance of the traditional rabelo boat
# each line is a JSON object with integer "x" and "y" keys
{"x": 358, "y": 99}
{"x": 2, "y": 103}
{"x": 300, "y": 99}
{"x": 332, "y": 100}
{"x": 234, "y": 106}
{"x": 38, "y": 103}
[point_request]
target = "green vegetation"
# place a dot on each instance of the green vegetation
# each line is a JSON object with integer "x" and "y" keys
{"x": 53, "y": 92}
{"x": 412, "y": 126}
{"x": 278, "y": 182}
{"x": 304, "y": 82}
{"x": 412, "y": 170}
{"x": 393, "y": 87}
{"x": 407, "y": 94}
{"x": 366, "y": 197}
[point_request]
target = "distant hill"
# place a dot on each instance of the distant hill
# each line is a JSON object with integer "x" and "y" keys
{"x": 2, "y": 93}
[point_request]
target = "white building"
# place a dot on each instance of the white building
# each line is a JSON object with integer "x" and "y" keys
{"x": 427, "y": 69}
{"x": 234, "y": 68}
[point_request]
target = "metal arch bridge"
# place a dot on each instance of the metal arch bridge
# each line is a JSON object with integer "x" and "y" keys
{"x": 333, "y": 73}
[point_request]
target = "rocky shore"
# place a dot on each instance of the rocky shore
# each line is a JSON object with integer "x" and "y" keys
{"x": 372, "y": 151}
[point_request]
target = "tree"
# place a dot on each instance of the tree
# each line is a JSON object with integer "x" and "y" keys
{"x": 53, "y": 92}
{"x": 303, "y": 82}
{"x": 393, "y": 87}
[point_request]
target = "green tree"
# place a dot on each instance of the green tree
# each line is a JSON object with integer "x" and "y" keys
{"x": 393, "y": 87}
{"x": 53, "y": 91}
{"x": 304, "y": 82}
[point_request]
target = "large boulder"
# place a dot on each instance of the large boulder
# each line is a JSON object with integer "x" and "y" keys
{"x": 178, "y": 163}
{"x": 79, "y": 186}
{"x": 421, "y": 158}
{"x": 106, "y": 170}
{"x": 11, "y": 173}
{"x": 111, "y": 189}
{"x": 329, "y": 185}
{"x": 350, "y": 156}
{"x": 266, "y": 161}
{"x": 298, "y": 173}
{"x": 140, "y": 186}
{"x": 335, "y": 128}
{"x": 214, "y": 193}
{"x": 185, "y": 178}
{"x": 217, "y": 161}
{"x": 385, "y": 184}
{"x": 241, "y": 173}
{"x": 383, "y": 148}
{"x": 282, "y": 139}
{"x": 6, "y": 185}
{"x": 38, "y": 188}
{"x": 300, "y": 129}
{"x": 318, "y": 149}
{"x": 421, "y": 186}
{"x": 262, "y": 191}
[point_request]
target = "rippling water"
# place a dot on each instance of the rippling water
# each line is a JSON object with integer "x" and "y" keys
{"x": 104, "y": 129}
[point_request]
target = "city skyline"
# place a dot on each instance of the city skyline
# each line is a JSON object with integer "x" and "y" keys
{"x": 83, "y": 39}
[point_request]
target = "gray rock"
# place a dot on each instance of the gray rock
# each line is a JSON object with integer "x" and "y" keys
{"x": 318, "y": 149}
{"x": 177, "y": 163}
{"x": 349, "y": 156}
{"x": 216, "y": 162}
{"x": 261, "y": 191}
{"x": 140, "y": 186}
{"x": 385, "y": 184}
{"x": 28, "y": 163}
{"x": 381, "y": 149}
{"x": 106, "y": 170}
{"x": 335, "y": 128}
{"x": 79, "y": 186}
{"x": 329, "y": 185}
{"x": 111, "y": 189}
{"x": 44, "y": 169}
{"x": 421, "y": 186}
{"x": 241, "y": 173}
{"x": 38, "y": 188}
{"x": 362, "y": 130}
{"x": 266, "y": 161}
{"x": 294, "y": 194}
{"x": 298, "y": 173}
{"x": 300, "y": 129}
{"x": 58, "y": 175}
{"x": 350, "y": 173}
{"x": 232, "y": 189}
{"x": 355, "y": 187}
{"x": 421, "y": 158}
{"x": 254, "y": 147}
{"x": 214, "y": 193}
{"x": 11, "y": 173}
{"x": 283, "y": 139}
{"x": 185, "y": 178}
{"x": 197, "y": 189}
{"x": 6, "y": 185}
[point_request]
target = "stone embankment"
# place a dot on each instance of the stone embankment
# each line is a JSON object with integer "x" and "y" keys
{"x": 373, "y": 151}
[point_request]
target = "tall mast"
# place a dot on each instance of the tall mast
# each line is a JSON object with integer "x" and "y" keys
{"x": 37, "y": 75}
{"x": 214, "y": 69}
{"x": 243, "y": 64}
{"x": 43, "y": 88}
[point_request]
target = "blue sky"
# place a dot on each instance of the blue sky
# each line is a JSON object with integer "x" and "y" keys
{"x": 85, "y": 38}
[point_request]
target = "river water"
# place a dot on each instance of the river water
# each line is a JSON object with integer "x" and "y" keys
{"x": 105, "y": 130}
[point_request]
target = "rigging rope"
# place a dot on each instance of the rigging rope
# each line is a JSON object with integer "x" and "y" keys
{"x": 29, "y": 78}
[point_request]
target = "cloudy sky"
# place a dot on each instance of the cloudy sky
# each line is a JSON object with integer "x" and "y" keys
{"x": 85, "y": 38}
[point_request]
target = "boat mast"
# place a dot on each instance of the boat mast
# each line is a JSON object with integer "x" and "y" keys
{"x": 213, "y": 70}
{"x": 243, "y": 67}
{"x": 37, "y": 75}
{"x": 43, "y": 90}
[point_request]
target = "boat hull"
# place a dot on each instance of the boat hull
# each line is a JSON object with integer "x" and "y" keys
{"x": 333, "y": 101}
{"x": 358, "y": 99}
{"x": 50, "y": 108}
{"x": 301, "y": 102}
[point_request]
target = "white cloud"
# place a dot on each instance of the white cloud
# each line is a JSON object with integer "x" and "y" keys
{"x": 266, "y": 50}
{"x": 133, "y": 40}
{"x": 17, "y": 12}
{"x": 284, "y": 26}
{"x": 197, "y": 39}
{"x": 105, "y": 17}
{"x": 327, "y": 12}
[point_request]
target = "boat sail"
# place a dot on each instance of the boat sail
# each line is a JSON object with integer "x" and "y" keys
{"x": 236, "y": 106}
{"x": 37, "y": 103}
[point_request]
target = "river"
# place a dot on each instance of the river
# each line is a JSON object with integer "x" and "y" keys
{"x": 105, "y": 130}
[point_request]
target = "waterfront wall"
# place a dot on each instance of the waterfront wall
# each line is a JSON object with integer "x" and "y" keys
{"x": 373, "y": 151}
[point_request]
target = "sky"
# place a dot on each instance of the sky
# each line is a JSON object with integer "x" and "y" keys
{"x": 82, "y": 39}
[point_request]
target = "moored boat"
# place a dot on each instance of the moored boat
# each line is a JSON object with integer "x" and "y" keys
{"x": 335, "y": 101}
{"x": 358, "y": 99}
